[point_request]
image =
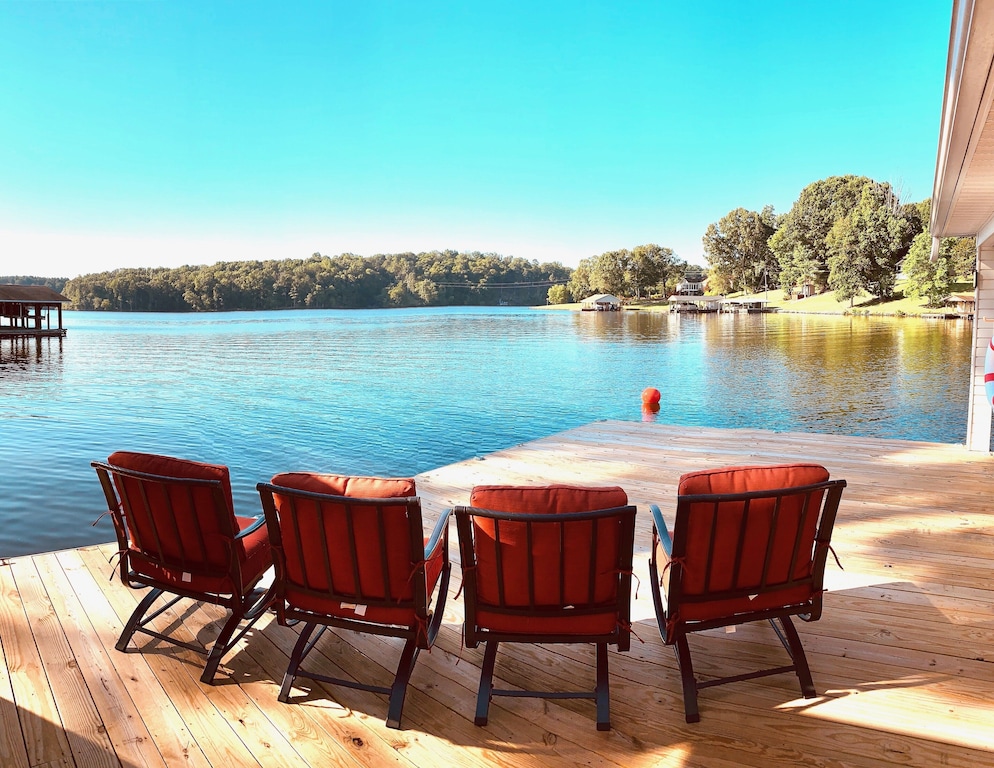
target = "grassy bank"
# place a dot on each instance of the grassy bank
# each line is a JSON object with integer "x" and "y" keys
{"x": 822, "y": 304}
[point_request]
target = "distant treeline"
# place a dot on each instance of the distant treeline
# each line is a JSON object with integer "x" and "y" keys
{"x": 55, "y": 283}
{"x": 436, "y": 278}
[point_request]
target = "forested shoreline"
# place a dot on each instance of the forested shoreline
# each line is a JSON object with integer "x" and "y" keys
{"x": 347, "y": 281}
{"x": 848, "y": 234}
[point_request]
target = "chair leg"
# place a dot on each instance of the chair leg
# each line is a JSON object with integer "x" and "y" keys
{"x": 249, "y": 611}
{"x": 399, "y": 689}
{"x": 689, "y": 681}
{"x": 486, "y": 683}
{"x": 796, "y": 651}
{"x": 136, "y": 619}
{"x": 603, "y": 691}
{"x": 221, "y": 646}
{"x": 296, "y": 659}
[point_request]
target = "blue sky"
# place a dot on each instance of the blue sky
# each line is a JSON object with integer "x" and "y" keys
{"x": 144, "y": 133}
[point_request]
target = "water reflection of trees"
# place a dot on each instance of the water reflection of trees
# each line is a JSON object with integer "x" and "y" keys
{"x": 796, "y": 372}
{"x": 625, "y": 326}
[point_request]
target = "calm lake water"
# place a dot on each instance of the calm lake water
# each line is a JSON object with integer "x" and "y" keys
{"x": 404, "y": 391}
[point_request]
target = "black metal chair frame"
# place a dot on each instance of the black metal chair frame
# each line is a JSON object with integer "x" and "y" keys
{"x": 418, "y": 637}
{"x": 245, "y": 605}
{"x": 830, "y": 493}
{"x": 474, "y": 635}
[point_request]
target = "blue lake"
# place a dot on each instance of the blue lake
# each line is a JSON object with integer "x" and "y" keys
{"x": 404, "y": 391}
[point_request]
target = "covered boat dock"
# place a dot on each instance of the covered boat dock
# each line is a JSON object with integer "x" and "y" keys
{"x": 28, "y": 310}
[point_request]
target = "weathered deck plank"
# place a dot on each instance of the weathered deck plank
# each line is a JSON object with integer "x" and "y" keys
{"x": 902, "y": 657}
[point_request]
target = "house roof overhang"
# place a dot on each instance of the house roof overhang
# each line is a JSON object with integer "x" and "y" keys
{"x": 963, "y": 191}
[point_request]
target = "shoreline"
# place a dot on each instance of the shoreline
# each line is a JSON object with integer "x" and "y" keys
{"x": 821, "y": 304}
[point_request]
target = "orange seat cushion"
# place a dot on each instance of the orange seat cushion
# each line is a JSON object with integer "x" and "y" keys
{"x": 255, "y": 558}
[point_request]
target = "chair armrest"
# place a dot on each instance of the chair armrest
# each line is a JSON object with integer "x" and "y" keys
{"x": 259, "y": 522}
{"x": 439, "y": 533}
{"x": 664, "y": 533}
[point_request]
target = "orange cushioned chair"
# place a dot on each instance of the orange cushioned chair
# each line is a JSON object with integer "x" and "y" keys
{"x": 177, "y": 533}
{"x": 350, "y": 552}
{"x": 549, "y": 564}
{"x": 749, "y": 543}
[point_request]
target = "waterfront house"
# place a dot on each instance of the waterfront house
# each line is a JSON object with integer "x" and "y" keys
{"x": 27, "y": 310}
{"x": 692, "y": 284}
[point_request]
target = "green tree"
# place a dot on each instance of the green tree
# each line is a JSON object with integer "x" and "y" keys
{"x": 963, "y": 256}
{"x": 649, "y": 266}
{"x": 609, "y": 272}
{"x": 866, "y": 244}
{"x": 737, "y": 250}
{"x": 800, "y": 243}
{"x": 558, "y": 294}
{"x": 927, "y": 279}
{"x": 579, "y": 282}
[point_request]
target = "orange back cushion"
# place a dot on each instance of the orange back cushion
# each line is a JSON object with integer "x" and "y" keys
{"x": 175, "y": 526}
{"x": 345, "y": 485}
{"x": 560, "y": 555}
{"x": 751, "y": 478}
{"x": 546, "y": 498}
{"x": 715, "y": 536}
{"x": 319, "y": 537}
{"x": 169, "y": 466}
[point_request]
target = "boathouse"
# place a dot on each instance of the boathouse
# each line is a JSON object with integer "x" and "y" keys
{"x": 695, "y": 303}
{"x": 31, "y": 310}
{"x": 601, "y": 302}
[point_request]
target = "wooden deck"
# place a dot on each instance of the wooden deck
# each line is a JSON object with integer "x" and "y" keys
{"x": 30, "y": 333}
{"x": 903, "y": 657}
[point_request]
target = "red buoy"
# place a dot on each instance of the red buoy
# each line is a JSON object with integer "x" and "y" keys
{"x": 650, "y": 395}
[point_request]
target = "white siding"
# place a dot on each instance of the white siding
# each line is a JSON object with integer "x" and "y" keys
{"x": 978, "y": 431}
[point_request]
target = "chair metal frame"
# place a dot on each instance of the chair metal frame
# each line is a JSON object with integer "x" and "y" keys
{"x": 419, "y": 636}
{"x": 245, "y": 604}
{"x": 821, "y": 499}
{"x": 475, "y": 634}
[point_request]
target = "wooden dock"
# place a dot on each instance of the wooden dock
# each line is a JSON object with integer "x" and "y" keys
{"x": 903, "y": 657}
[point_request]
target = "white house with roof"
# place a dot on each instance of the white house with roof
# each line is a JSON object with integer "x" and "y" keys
{"x": 692, "y": 284}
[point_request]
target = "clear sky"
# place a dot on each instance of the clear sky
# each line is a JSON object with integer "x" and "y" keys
{"x": 160, "y": 133}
